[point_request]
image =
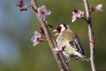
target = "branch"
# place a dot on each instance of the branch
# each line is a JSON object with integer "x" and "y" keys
{"x": 90, "y": 33}
{"x": 101, "y": 70}
{"x": 58, "y": 56}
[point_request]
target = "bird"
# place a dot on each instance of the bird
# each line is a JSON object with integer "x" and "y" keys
{"x": 70, "y": 41}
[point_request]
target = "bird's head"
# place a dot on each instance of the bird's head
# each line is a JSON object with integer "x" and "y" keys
{"x": 60, "y": 28}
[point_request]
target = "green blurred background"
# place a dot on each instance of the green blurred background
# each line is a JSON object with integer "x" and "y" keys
{"x": 16, "y": 29}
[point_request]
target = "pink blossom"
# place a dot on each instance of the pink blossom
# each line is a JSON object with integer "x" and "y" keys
{"x": 22, "y": 6}
{"x": 35, "y": 38}
{"x": 58, "y": 48}
{"x": 42, "y": 12}
{"x": 77, "y": 13}
{"x": 99, "y": 8}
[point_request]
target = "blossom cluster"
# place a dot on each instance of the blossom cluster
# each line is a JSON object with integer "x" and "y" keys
{"x": 22, "y": 6}
{"x": 42, "y": 12}
{"x": 77, "y": 13}
{"x": 80, "y": 14}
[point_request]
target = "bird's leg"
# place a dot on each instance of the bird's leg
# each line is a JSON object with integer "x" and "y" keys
{"x": 63, "y": 48}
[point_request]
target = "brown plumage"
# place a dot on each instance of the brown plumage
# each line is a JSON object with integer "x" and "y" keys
{"x": 68, "y": 34}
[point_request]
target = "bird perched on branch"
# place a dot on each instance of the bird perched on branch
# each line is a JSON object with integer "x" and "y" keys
{"x": 69, "y": 40}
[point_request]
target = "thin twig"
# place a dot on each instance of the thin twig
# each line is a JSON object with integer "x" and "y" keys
{"x": 90, "y": 32}
{"x": 58, "y": 56}
{"x": 101, "y": 70}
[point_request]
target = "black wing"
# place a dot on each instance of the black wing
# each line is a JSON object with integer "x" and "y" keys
{"x": 76, "y": 44}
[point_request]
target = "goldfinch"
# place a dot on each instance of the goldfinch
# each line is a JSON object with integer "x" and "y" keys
{"x": 69, "y": 40}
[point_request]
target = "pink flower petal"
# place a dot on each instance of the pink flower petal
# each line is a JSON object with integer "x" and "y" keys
{"x": 43, "y": 17}
{"x": 99, "y": 8}
{"x": 73, "y": 18}
{"x": 43, "y": 8}
{"x": 58, "y": 48}
{"x": 48, "y": 12}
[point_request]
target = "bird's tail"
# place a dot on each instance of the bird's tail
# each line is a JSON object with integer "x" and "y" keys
{"x": 87, "y": 59}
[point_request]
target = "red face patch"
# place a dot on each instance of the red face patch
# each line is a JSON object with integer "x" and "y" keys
{"x": 58, "y": 28}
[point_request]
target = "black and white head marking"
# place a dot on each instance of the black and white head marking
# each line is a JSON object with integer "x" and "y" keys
{"x": 64, "y": 27}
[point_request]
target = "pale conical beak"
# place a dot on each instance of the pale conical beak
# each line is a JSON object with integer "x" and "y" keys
{"x": 56, "y": 32}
